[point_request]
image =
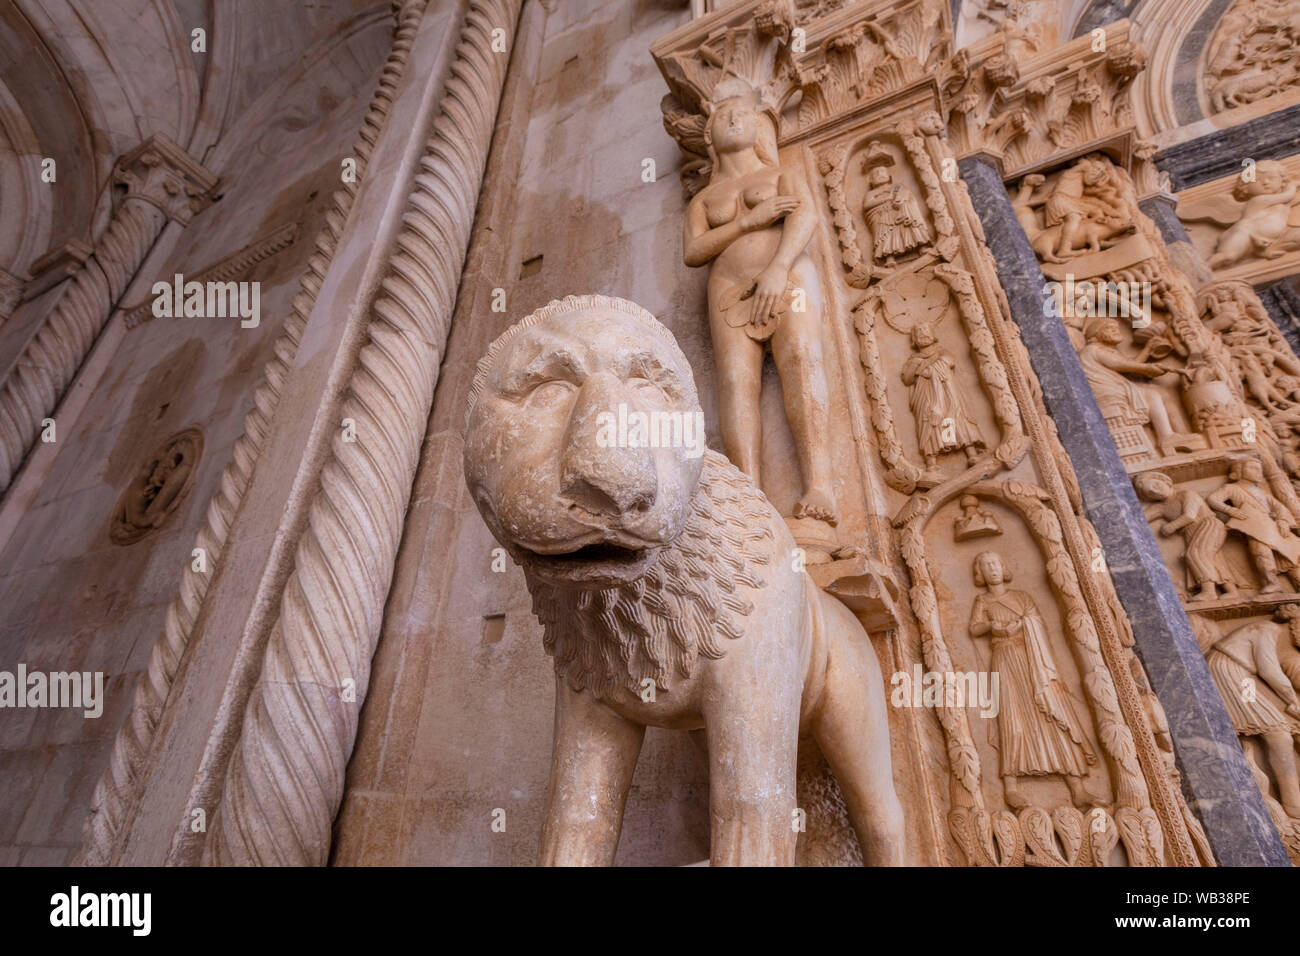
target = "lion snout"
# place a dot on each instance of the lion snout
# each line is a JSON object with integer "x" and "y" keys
{"x": 607, "y": 478}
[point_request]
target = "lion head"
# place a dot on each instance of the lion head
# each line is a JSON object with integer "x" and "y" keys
{"x": 584, "y": 441}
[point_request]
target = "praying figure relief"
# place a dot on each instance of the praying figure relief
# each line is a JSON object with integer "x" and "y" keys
{"x": 1267, "y": 524}
{"x": 1185, "y": 512}
{"x": 1039, "y": 732}
{"x": 753, "y": 223}
{"x": 943, "y": 424}
{"x": 897, "y": 223}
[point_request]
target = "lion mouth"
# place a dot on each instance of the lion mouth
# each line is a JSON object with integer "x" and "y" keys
{"x": 603, "y": 551}
{"x": 596, "y": 562}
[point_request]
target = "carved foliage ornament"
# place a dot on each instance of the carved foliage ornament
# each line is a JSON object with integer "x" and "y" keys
{"x": 1069, "y": 100}
{"x": 841, "y": 63}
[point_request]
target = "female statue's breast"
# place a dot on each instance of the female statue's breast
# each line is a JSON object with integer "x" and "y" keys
{"x": 721, "y": 211}
{"x": 757, "y": 194}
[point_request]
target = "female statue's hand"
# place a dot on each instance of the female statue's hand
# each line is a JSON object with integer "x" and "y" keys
{"x": 769, "y": 211}
{"x": 768, "y": 289}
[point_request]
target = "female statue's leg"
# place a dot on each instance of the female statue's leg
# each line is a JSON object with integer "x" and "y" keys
{"x": 801, "y": 363}
{"x": 739, "y": 361}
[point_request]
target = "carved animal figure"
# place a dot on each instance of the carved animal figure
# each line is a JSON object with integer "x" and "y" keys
{"x": 666, "y": 585}
{"x": 1086, "y": 235}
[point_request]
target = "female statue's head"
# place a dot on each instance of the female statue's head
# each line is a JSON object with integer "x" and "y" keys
{"x": 740, "y": 120}
{"x": 989, "y": 570}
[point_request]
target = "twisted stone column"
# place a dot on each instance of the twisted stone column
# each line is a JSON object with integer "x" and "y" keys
{"x": 285, "y": 781}
{"x": 11, "y": 292}
{"x": 115, "y": 795}
{"x": 161, "y": 183}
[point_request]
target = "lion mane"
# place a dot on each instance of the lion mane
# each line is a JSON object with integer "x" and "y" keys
{"x": 684, "y": 606}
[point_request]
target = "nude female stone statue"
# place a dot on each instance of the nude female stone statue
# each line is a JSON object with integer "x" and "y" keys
{"x": 753, "y": 222}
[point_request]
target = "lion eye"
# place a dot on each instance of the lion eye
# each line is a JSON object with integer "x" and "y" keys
{"x": 549, "y": 393}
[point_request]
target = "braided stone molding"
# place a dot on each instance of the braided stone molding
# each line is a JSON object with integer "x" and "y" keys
{"x": 286, "y": 776}
{"x": 161, "y": 182}
{"x": 236, "y": 264}
{"x": 116, "y": 793}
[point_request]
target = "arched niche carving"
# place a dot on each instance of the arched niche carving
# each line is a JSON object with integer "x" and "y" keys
{"x": 1044, "y": 831}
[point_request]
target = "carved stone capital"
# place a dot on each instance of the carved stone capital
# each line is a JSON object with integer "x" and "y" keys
{"x": 812, "y": 63}
{"x": 1025, "y": 115}
{"x": 162, "y": 174}
{"x": 56, "y": 265}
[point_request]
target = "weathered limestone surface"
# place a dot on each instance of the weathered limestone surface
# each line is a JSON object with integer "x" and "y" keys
{"x": 74, "y": 600}
{"x": 312, "y": 631}
{"x": 1218, "y": 779}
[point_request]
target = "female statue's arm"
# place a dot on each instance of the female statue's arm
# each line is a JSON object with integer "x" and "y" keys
{"x": 702, "y": 244}
{"x": 797, "y": 229}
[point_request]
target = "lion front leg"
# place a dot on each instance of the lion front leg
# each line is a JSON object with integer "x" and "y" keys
{"x": 753, "y": 740}
{"x": 593, "y": 758}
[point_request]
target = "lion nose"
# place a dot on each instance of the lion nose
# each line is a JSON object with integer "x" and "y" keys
{"x": 599, "y": 471}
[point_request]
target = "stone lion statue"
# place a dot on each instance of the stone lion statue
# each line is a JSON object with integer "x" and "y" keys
{"x": 669, "y": 593}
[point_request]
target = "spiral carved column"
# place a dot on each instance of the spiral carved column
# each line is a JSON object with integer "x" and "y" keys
{"x": 161, "y": 183}
{"x": 116, "y": 792}
{"x": 286, "y": 777}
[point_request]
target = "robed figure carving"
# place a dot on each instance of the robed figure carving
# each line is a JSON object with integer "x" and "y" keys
{"x": 753, "y": 223}
{"x": 897, "y": 224}
{"x": 1039, "y": 732}
{"x": 943, "y": 424}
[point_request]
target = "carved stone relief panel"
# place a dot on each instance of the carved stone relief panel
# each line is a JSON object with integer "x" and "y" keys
{"x": 1023, "y": 111}
{"x": 1247, "y": 226}
{"x": 1254, "y": 660}
{"x": 1253, "y": 54}
{"x": 1197, "y": 392}
{"x": 158, "y": 488}
{"x": 965, "y": 493}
